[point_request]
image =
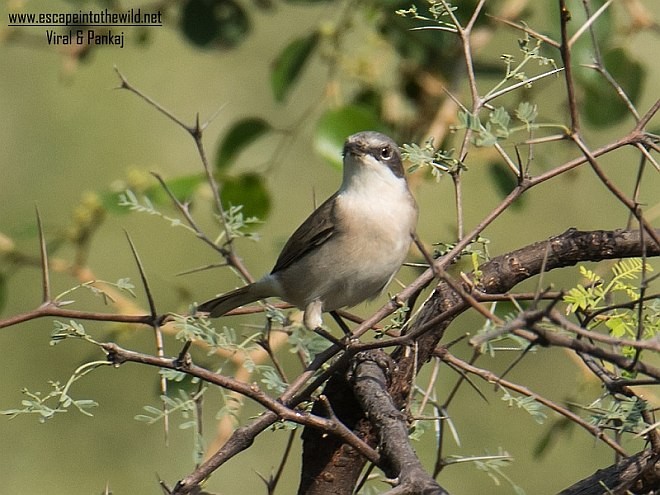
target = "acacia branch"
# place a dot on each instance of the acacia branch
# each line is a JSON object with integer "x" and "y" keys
{"x": 491, "y": 377}
{"x": 278, "y": 410}
{"x": 196, "y": 132}
{"x": 368, "y": 379}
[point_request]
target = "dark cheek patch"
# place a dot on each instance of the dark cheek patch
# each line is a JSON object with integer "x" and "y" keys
{"x": 394, "y": 163}
{"x": 396, "y": 167}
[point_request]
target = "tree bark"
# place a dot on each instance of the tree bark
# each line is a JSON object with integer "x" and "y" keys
{"x": 637, "y": 474}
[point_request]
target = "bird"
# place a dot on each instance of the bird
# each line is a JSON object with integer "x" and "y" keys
{"x": 349, "y": 249}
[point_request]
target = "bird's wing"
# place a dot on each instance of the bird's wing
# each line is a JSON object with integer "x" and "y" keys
{"x": 316, "y": 230}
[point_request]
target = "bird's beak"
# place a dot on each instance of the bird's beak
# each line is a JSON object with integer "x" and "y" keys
{"x": 353, "y": 148}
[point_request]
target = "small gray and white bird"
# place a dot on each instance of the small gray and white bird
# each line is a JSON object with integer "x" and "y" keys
{"x": 350, "y": 247}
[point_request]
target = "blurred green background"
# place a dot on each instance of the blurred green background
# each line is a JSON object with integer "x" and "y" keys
{"x": 68, "y": 131}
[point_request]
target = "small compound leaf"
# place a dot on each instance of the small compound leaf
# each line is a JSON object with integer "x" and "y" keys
{"x": 336, "y": 125}
{"x": 181, "y": 187}
{"x": 111, "y": 202}
{"x": 289, "y": 63}
{"x": 248, "y": 190}
{"x": 242, "y": 133}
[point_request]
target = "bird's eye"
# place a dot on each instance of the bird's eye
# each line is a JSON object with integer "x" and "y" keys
{"x": 386, "y": 153}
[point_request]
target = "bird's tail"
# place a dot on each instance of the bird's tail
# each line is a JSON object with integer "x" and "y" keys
{"x": 232, "y": 300}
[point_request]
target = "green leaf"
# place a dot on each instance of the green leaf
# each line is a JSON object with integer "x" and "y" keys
{"x": 240, "y": 135}
{"x": 526, "y": 113}
{"x": 336, "y": 125}
{"x": 248, "y": 190}
{"x": 603, "y": 106}
{"x": 501, "y": 119}
{"x": 221, "y": 23}
{"x": 289, "y": 63}
{"x": 182, "y": 187}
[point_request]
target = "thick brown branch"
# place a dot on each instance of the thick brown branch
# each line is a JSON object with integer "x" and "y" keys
{"x": 639, "y": 473}
{"x": 567, "y": 249}
{"x": 370, "y": 383}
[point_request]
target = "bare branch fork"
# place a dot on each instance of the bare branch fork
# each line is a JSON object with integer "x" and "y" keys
{"x": 196, "y": 132}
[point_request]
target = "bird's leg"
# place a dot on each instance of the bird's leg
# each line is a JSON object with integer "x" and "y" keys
{"x": 341, "y": 323}
{"x": 328, "y": 336}
{"x": 314, "y": 322}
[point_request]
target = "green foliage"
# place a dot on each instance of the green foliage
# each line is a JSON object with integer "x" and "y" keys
{"x": 241, "y": 134}
{"x": 307, "y": 344}
{"x": 201, "y": 330}
{"x": 71, "y": 330}
{"x": 237, "y": 224}
{"x": 531, "y": 52}
{"x": 39, "y": 404}
{"x": 439, "y": 13}
{"x": 439, "y": 162}
{"x": 396, "y": 321}
{"x": 498, "y": 127}
{"x": 615, "y": 304}
{"x": 272, "y": 380}
{"x": 129, "y": 199}
{"x": 246, "y": 195}
{"x": 214, "y": 23}
{"x": 595, "y": 295}
{"x": 184, "y": 404}
{"x": 528, "y": 404}
{"x": 95, "y": 287}
{"x": 621, "y": 414}
{"x": 58, "y": 399}
{"x": 289, "y": 64}
{"x": 187, "y": 406}
{"x": 493, "y": 466}
{"x": 502, "y": 341}
{"x": 476, "y": 250}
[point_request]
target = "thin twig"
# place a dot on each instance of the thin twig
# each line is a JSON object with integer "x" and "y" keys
{"x": 565, "y": 50}
{"x": 490, "y": 377}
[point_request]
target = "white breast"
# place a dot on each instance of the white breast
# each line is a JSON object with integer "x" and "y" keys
{"x": 375, "y": 216}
